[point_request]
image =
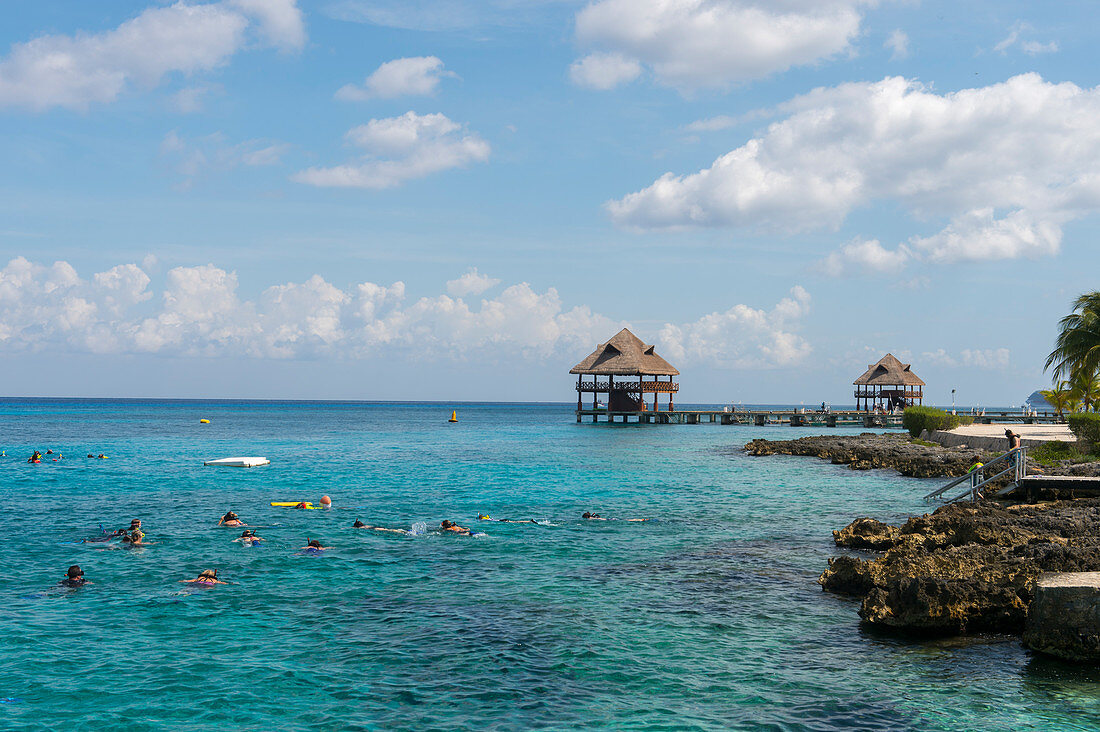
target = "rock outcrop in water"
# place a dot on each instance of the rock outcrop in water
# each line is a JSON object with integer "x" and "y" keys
{"x": 966, "y": 568}
{"x": 869, "y": 450}
{"x": 1064, "y": 619}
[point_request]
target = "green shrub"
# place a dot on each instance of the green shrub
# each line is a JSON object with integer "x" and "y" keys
{"x": 917, "y": 419}
{"x": 1052, "y": 452}
{"x": 1086, "y": 426}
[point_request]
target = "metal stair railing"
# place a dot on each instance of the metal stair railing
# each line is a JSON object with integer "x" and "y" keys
{"x": 1015, "y": 461}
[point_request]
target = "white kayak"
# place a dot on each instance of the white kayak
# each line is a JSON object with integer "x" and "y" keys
{"x": 239, "y": 462}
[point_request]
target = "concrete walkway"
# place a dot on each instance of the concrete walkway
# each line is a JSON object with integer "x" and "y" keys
{"x": 1042, "y": 432}
{"x": 992, "y": 436}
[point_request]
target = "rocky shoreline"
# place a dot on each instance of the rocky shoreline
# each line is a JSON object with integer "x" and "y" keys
{"x": 898, "y": 451}
{"x": 891, "y": 450}
{"x": 966, "y": 568}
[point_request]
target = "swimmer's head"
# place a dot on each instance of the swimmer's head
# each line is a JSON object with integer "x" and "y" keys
{"x": 75, "y": 572}
{"x": 586, "y": 514}
{"x": 358, "y": 524}
{"x": 246, "y": 533}
{"x": 229, "y": 516}
{"x": 316, "y": 544}
{"x": 209, "y": 574}
{"x": 445, "y": 524}
{"x": 134, "y": 523}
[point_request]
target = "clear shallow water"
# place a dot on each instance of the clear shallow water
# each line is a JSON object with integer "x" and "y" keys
{"x": 708, "y": 617}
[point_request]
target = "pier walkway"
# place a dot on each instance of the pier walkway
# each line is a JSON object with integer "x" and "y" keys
{"x": 793, "y": 417}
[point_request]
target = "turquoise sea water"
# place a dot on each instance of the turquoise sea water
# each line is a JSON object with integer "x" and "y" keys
{"x": 706, "y": 617}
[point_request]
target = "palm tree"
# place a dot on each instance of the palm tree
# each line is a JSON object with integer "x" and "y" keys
{"x": 1060, "y": 397}
{"x": 1085, "y": 388}
{"x": 1077, "y": 347}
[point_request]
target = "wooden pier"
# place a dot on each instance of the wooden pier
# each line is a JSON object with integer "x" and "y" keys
{"x": 793, "y": 417}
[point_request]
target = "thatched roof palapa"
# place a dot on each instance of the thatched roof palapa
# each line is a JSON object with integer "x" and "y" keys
{"x": 888, "y": 372}
{"x": 624, "y": 355}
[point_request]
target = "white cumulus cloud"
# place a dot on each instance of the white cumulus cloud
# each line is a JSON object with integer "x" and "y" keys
{"x": 416, "y": 76}
{"x": 898, "y": 43}
{"x": 471, "y": 283}
{"x": 742, "y": 337}
{"x": 200, "y": 311}
{"x": 84, "y": 69}
{"x": 713, "y": 43}
{"x": 280, "y": 21}
{"x": 867, "y": 255}
{"x": 1005, "y": 166}
{"x": 398, "y": 149}
{"x": 604, "y": 70}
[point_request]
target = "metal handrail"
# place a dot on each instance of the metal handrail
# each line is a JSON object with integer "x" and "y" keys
{"x": 1019, "y": 464}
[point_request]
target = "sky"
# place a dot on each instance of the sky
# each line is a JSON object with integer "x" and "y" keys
{"x": 459, "y": 199}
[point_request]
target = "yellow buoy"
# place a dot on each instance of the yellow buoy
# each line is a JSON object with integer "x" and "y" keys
{"x": 454, "y": 416}
{"x": 204, "y": 421}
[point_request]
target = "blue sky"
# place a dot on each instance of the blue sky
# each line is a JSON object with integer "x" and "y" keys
{"x": 444, "y": 199}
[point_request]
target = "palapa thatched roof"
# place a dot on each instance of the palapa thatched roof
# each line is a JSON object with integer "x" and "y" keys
{"x": 624, "y": 355}
{"x": 888, "y": 372}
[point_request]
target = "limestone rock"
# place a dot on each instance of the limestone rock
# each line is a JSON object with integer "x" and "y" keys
{"x": 866, "y": 533}
{"x": 967, "y": 568}
{"x": 873, "y": 450}
{"x": 1064, "y": 617}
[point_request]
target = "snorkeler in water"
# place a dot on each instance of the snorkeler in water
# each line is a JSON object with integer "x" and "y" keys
{"x": 248, "y": 538}
{"x": 454, "y": 528}
{"x": 135, "y": 536}
{"x": 360, "y": 525}
{"x": 231, "y": 519}
{"x": 206, "y": 578}
{"x": 74, "y": 577}
{"x": 313, "y": 546}
{"x": 483, "y": 517}
{"x": 598, "y": 517}
{"x": 104, "y": 536}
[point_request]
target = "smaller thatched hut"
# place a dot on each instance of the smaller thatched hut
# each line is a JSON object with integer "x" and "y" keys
{"x": 627, "y": 356}
{"x": 888, "y": 384}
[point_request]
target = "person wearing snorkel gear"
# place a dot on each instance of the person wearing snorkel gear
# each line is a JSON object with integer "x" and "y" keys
{"x": 36, "y": 457}
{"x": 360, "y": 525}
{"x": 135, "y": 531}
{"x": 598, "y": 517}
{"x": 206, "y": 578}
{"x": 248, "y": 537}
{"x": 453, "y": 527}
{"x": 135, "y": 536}
{"x": 483, "y": 517}
{"x": 314, "y": 545}
{"x": 231, "y": 519}
{"x": 74, "y": 577}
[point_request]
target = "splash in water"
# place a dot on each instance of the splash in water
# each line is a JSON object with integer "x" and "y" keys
{"x": 418, "y": 529}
